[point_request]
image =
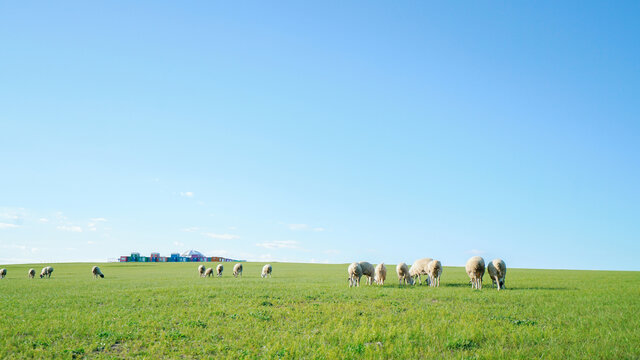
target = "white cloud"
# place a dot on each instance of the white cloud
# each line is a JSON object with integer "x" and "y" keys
{"x": 98, "y": 219}
{"x": 44, "y": 220}
{"x": 233, "y": 228}
{"x": 8, "y": 226}
{"x": 178, "y": 243}
{"x": 91, "y": 242}
{"x": 318, "y": 229}
{"x": 70, "y": 228}
{"x": 191, "y": 229}
{"x": 14, "y": 246}
{"x": 476, "y": 252}
{"x": 280, "y": 244}
{"x": 222, "y": 236}
{"x": 188, "y": 194}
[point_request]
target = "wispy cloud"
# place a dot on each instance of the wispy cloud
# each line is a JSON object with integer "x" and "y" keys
{"x": 316, "y": 261}
{"x": 280, "y": 244}
{"x": 98, "y": 219}
{"x": 8, "y": 226}
{"x": 304, "y": 227}
{"x": 44, "y": 220}
{"x": 191, "y": 229}
{"x": 188, "y": 194}
{"x": 178, "y": 243}
{"x": 222, "y": 236}
{"x": 476, "y": 252}
{"x": 13, "y": 214}
{"x": 90, "y": 242}
{"x": 14, "y": 246}
{"x": 295, "y": 227}
{"x": 70, "y": 228}
{"x": 218, "y": 252}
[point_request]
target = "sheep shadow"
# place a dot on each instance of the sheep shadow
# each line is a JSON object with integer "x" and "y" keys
{"x": 457, "y": 285}
{"x": 461, "y": 285}
{"x": 539, "y": 288}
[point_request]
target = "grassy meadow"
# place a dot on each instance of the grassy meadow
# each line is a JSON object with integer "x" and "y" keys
{"x": 307, "y": 311}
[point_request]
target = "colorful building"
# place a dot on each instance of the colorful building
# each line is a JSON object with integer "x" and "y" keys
{"x": 187, "y": 256}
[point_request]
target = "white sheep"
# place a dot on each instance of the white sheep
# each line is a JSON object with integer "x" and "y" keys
{"x": 219, "y": 269}
{"x": 32, "y": 273}
{"x": 201, "y": 270}
{"x": 368, "y": 270}
{"x": 497, "y": 272}
{"x": 434, "y": 270}
{"x": 46, "y": 271}
{"x": 96, "y": 272}
{"x": 381, "y": 274}
{"x": 266, "y": 270}
{"x": 355, "y": 273}
{"x": 475, "y": 270}
{"x": 3, "y": 273}
{"x": 403, "y": 274}
{"x": 208, "y": 272}
{"x": 419, "y": 268}
{"x": 237, "y": 270}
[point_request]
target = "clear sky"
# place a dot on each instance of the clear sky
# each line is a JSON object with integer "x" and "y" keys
{"x": 322, "y": 131}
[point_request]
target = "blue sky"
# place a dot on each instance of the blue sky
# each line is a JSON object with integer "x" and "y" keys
{"x": 325, "y": 132}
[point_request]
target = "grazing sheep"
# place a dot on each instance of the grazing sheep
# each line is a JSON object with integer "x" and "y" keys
{"x": 355, "y": 273}
{"x": 475, "y": 270}
{"x": 266, "y": 270}
{"x": 46, "y": 271}
{"x": 32, "y": 273}
{"x": 403, "y": 274}
{"x": 237, "y": 270}
{"x": 201, "y": 270}
{"x": 96, "y": 272}
{"x": 208, "y": 272}
{"x": 497, "y": 272}
{"x": 381, "y": 274}
{"x": 368, "y": 270}
{"x": 434, "y": 270}
{"x": 419, "y": 268}
{"x": 219, "y": 269}
{"x": 3, "y": 273}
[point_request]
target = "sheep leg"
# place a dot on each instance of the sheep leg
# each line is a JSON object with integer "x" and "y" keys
{"x": 498, "y": 282}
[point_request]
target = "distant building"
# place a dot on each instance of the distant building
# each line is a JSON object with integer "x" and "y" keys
{"x": 187, "y": 256}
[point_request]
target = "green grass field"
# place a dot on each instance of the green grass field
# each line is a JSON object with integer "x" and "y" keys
{"x": 307, "y": 311}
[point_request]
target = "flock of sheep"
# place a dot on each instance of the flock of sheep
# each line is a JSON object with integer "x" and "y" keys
{"x": 237, "y": 270}
{"x": 48, "y": 270}
{"x": 431, "y": 268}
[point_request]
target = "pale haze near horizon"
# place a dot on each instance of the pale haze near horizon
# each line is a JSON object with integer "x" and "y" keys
{"x": 329, "y": 132}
